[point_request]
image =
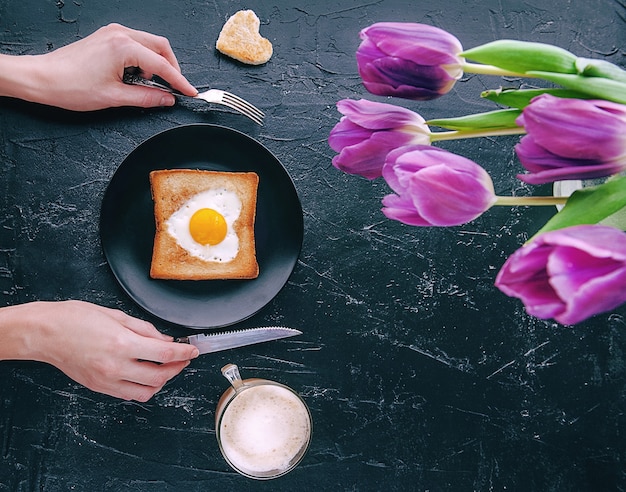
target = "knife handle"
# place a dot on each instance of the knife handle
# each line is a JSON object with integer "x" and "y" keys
{"x": 182, "y": 340}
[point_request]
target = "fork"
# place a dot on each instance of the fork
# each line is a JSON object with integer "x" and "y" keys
{"x": 210, "y": 96}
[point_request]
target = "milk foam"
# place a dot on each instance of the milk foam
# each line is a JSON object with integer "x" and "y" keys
{"x": 264, "y": 428}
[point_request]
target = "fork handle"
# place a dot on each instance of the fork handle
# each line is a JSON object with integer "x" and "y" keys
{"x": 134, "y": 79}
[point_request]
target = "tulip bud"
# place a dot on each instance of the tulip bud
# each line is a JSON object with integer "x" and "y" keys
{"x": 408, "y": 60}
{"x": 569, "y": 274}
{"x": 572, "y": 139}
{"x": 368, "y": 131}
{"x": 434, "y": 187}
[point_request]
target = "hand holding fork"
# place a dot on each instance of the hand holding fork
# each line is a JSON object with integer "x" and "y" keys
{"x": 211, "y": 96}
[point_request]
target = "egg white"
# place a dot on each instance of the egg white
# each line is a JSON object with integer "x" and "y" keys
{"x": 221, "y": 200}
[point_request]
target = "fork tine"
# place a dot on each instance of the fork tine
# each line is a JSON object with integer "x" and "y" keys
{"x": 243, "y": 106}
{"x": 244, "y": 103}
{"x": 244, "y": 111}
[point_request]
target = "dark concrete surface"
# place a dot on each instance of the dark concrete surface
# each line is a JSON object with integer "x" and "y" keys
{"x": 420, "y": 375}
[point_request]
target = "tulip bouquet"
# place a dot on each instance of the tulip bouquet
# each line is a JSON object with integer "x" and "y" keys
{"x": 574, "y": 267}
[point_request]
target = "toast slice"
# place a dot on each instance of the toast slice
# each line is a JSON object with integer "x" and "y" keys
{"x": 240, "y": 39}
{"x": 171, "y": 189}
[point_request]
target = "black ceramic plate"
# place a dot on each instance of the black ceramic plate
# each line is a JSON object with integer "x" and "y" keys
{"x": 127, "y": 226}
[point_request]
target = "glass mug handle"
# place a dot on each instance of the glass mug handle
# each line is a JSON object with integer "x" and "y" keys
{"x": 231, "y": 372}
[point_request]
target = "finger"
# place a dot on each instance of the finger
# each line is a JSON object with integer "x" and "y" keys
{"x": 158, "y": 44}
{"x": 142, "y": 327}
{"x": 139, "y": 326}
{"x": 153, "y": 375}
{"x": 152, "y": 63}
{"x": 151, "y": 349}
{"x": 136, "y": 325}
{"x": 151, "y": 344}
{"x": 123, "y": 389}
{"x": 126, "y": 390}
{"x": 143, "y": 97}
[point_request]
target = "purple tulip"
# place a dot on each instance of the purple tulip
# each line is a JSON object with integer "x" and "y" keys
{"x": 368, "y": 131}
{"x": 435, "y": 187}
{"x": 408, "y": 60}
{"x": 571, "y": 139}
{"x": 568, "y": 274}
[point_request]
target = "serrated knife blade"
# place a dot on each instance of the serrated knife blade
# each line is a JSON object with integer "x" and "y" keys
{"x": 215, "y": 342}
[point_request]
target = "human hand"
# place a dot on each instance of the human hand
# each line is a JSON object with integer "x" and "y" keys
{"x": 103, "y": 349}
{"x": 87, "y": 74}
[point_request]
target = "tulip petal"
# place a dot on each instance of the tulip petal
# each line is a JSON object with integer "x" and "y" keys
{"x": 367, "y": 157}
{"x": 569, "y": 274}
{"x": 445, "y": 197}
{"x": 346, "y": 134}
{"x": 570, "y": 138}
{"x": 600, "y": 294}
{"x": 540, "y": 300}
{"x": 435, "y": 187}
{"x": 378, "y": 116}
{"x": 599, "y": 241}
{"x": 571, "y": 269}
{"x": 368, "y": 131}
{"x": 524, "y": 276}
{"x": 588, "y": 271}
{"x": 576, "y": 171}
{"x": 408, "y": 60}
{"x": 408, "y": 40}
{"x": 388, "y": 77}
{"x": 576, "y": 128}
{"x": 402, "y": 209}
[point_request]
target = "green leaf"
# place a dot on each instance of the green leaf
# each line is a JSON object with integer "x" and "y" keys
{"x": 608, "y": 89}
{"x": 591, "y": 205}
{"x": 523, "y": 56}
{"x": 600, "y": 68}
{"x": 520, "y": 98}
{"x": 617, "y": 220}
{"x": 502, "y": 118}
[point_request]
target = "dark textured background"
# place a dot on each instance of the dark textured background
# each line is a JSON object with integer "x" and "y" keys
{"x": 420, "y": 375}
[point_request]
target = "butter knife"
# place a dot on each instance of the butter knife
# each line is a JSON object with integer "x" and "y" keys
{"x": 215, "y": 342}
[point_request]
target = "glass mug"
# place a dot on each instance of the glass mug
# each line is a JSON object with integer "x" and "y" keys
{"x": 263, "y": 428}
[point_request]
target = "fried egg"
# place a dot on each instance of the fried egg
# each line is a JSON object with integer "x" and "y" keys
{"x": 203, "y": 225}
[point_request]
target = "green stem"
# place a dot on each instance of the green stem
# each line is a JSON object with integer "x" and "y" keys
{"x": 512, "y": 201}
{"x": 491, "y": 70}
{"x": 458, "y": 134}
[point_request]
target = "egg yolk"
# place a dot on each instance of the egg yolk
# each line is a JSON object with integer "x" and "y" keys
{"x": 207, "y": 226}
